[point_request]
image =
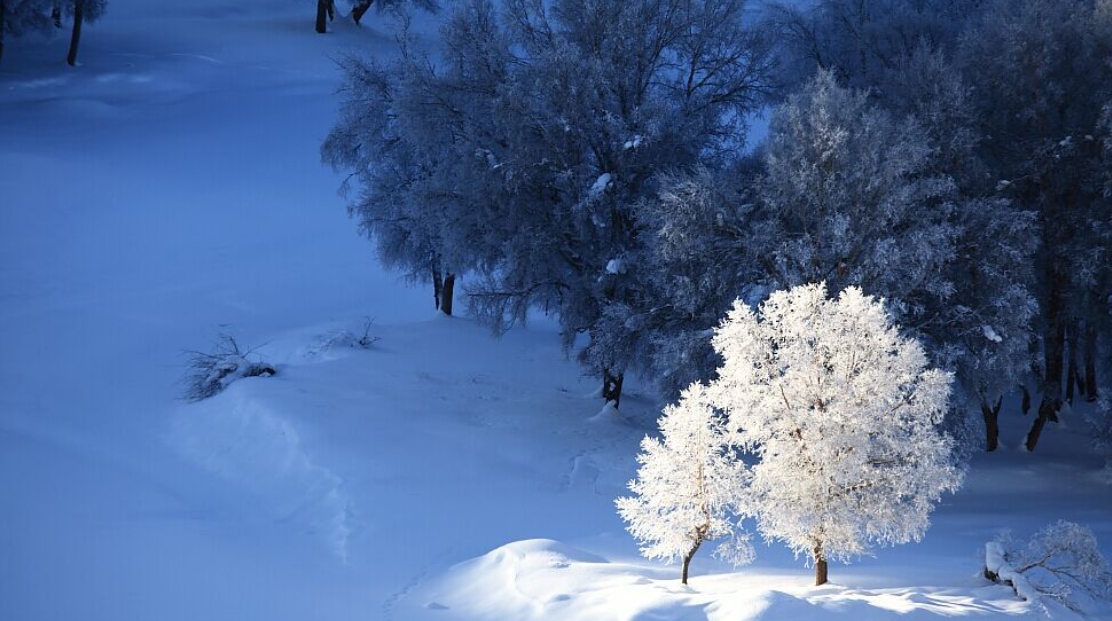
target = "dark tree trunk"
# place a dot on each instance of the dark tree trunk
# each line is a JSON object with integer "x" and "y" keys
{"x": 437, "y": 286}
{"x": 821, "y": 573}
{"x": 78, "y": 17}
{"x": 1072, "y": 374}
{"x": 687, "y": 560}
{"x": 1025, "y": 405}
{"x": 3, "y": 11}
{"x": 1054, "y": 339}
{"x": 992, "y": 425}
{"x": 56, "y": 16}
{"x": 612, "y": 386}
{"x": 1036, "y": 431}
{"x": 447, "y": 294}
{"x": 331, "y": 10}
{"x": 361, "y": 9}
{"x": 1090, "y": 363}
{"x": 322, "y": 16}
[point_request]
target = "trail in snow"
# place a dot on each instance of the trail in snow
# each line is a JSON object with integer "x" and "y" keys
{"x": 240, "y": 438}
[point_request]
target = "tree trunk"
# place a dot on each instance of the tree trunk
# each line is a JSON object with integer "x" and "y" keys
{"x": 447, "y": 294}
{"x": 1036, "y": 431}
{"x": 361, "y": 9}
{"x": 78, "y": 17}
{"x": 687, "y": 560}
{"x": 3, "y": 11}
{"x": 1090, "y": 362}
{"x": 992, "y": 425}
{"x": 322, "y": 16}
{"x": 1025, "y": 405}
{"x": 1071, "y": 373}
{"x": 612, "y": 386}
{"x": 821, "y": 576}
{"x": 56, "y": 15}
{"x": 1054, "y": 339}
{"x": 437, "y": 286}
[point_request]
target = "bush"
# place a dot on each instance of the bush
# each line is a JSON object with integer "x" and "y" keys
{"x": 346, "y": 338}
{"x": 212, "y": 372}
{"x": 1061, "y": 562}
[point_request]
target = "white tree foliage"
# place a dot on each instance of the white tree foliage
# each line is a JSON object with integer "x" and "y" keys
{"x": 843, "y": 414}
{"x": 1061, "y": 562}
{"x": 690, "y": 488}
{"x": 858, "y": 196}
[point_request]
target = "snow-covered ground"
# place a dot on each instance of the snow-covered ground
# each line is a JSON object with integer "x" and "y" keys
{"x": 169, "y": 190}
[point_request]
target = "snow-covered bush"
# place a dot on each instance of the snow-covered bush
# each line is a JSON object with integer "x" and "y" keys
{"x": 347, "y": 338}
{"x": 1062, "y": 562}
{"x": 690, "y": 488}
{"x": 842, "y": 413}
{"x": 212, "y": 372}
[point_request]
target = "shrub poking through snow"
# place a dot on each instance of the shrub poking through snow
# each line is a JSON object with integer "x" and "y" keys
{"x": 843, "y": 415}
{"x": 690, "y": 488}
{"x": 347, "y": 338}
{"x": 1061, "y": 562}
{"x": 212, "y": 372}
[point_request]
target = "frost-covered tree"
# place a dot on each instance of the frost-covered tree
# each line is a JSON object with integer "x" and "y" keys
{"x": 851, "y": 198}
{"x": 690, "y": 488}
{"x": 852, "y": 194}
{"x": 526, "y": 150}
{"x": 612, "y": 95}
{"x": 700, "y": 258}
{"x": 412, "y": 136}
{"x": 1042, "y": 73}
{"x": 842, "y": 413}
{"x": 861, "y": 41}
{"x": 855, "y": 195}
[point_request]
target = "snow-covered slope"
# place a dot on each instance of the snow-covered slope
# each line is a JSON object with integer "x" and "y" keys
{"x": 169, "y": 190}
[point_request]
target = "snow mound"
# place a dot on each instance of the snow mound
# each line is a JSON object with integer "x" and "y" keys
{"x": 545, "y": 579}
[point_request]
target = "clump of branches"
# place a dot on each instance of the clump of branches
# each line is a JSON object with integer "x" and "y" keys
{"x": 212, "y": 371}
{"x": 347, "y": 338}
{"x": 1061, "y": 562}
{"x": 365, "y": 340}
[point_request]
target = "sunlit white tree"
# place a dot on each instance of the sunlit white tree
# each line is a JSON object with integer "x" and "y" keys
{"x": 842, "y": 413}
{"x": 690, "y": 488}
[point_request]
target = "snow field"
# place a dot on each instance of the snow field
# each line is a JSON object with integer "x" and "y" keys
{"x": 169, "y": 190}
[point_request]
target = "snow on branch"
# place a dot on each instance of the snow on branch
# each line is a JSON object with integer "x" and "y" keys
{"x": 1061, "y": 562}
{"x": 212, "y": 372}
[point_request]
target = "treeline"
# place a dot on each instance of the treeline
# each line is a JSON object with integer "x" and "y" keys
{"x": 326, "y": 9}
{"x": 589, "y": 158}
{"x": 21, "y": 17}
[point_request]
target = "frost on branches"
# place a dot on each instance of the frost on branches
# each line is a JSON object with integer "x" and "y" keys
{"x": 690, "y": 487}
{"x": 1061, "y": 562}
{"x": 842, "y": 413}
